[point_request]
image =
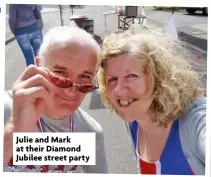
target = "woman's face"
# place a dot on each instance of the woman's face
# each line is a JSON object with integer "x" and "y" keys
{"x": 127, "y": 84}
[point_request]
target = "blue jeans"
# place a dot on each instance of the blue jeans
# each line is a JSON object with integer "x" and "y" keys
{"x": 30, "y": 45}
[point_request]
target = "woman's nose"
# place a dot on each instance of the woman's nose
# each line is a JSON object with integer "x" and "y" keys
{"x": 121, "y": 88}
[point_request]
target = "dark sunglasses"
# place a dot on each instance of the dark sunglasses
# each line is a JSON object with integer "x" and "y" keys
{"x": 62, "y": 82}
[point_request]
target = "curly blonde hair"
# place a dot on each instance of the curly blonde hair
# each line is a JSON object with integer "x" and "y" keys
{"x": 173, "y": 84}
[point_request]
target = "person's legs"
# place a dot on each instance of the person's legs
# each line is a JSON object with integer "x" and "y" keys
{"x": 24, "y": 43}
{"x": 36, "y": 41}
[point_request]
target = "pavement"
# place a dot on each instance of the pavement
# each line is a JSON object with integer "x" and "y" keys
{"x": 191, "y": 28}
{"x": 118, "y": 148}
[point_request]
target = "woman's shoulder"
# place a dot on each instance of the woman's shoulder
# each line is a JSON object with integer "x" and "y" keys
{"x": 192, "y": 129}
{"x": 199, "y": 101}
{"x": 192, "y": 124}
{"x": 195, "y": 113}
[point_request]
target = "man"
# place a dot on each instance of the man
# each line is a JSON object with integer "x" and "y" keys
{"x": 25, "y": 22}
{"x": 47, "y": 99}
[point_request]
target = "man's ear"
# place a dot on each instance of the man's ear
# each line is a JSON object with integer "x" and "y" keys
{"x": 37, "y": 61}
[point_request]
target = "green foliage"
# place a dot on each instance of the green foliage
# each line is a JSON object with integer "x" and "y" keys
{"x": 168, "y": 8}
{"x": 7, "y": 8}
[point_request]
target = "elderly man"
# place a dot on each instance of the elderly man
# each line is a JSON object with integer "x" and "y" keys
{"x": 47, "y": 99}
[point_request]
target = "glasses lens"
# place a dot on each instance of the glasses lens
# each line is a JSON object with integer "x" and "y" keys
{"x": 87, "y": 88}
{"x": 61, "y": 82}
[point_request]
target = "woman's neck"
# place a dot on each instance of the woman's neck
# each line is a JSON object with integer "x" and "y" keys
{"x": 150, "y": 128}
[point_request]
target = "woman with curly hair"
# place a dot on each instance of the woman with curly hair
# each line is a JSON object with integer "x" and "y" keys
{"x": 145, "y": 77}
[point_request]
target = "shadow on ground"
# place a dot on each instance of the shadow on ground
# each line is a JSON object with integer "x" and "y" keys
{"x": 95, "y": 102}
{"x": 195, "y": 41}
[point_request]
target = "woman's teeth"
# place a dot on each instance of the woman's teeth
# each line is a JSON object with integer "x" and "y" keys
{"x": 126, "y": 103}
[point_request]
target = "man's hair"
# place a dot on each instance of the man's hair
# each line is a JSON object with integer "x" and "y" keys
{"x": 172, "y": 83}
{"x": 59, "y": 37}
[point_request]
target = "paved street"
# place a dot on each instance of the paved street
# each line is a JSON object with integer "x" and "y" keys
{"x": 191, "y": 28}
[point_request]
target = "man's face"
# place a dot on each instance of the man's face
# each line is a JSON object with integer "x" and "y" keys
{"x": 78, "y": 64}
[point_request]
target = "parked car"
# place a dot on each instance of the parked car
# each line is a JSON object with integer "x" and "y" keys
{"x": 192, "y": 10}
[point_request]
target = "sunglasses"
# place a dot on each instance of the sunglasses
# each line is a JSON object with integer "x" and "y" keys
{"x": 62, "y": 82}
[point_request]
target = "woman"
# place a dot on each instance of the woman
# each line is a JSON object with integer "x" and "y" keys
{"x": 146, "y": 79}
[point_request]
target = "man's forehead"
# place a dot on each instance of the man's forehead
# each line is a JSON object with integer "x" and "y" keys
{"x": 84, "y": 70}
{"x": 73, "y": 58}
{"x": 78, "y": 45}
{"x": 73, "y": 50}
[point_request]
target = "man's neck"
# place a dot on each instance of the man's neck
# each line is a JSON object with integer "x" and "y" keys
{"x": 55, "y": 115}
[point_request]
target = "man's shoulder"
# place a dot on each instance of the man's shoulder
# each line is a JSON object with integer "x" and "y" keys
{"x": 86, "y": 122}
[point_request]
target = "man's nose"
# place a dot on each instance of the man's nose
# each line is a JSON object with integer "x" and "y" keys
{"x": 72, "y": 91}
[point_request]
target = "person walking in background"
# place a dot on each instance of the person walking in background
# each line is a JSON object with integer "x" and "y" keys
{"x": 25, "y": 22}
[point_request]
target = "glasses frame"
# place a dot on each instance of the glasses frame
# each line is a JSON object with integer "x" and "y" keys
{"x": 69, "y": 84}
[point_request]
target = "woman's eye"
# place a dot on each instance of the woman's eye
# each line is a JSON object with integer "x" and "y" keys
{"x": 112, "y": 79}
{"x": 131, "y": 75}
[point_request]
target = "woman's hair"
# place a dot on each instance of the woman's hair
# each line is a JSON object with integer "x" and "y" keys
{"x": 173, "y": 84}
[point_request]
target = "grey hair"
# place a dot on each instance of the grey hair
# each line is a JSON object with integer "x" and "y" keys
{"x": 61, "y": 36}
